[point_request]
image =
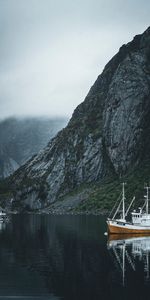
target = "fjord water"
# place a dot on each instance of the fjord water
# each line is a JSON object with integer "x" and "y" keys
{"x": 69, "y": 257}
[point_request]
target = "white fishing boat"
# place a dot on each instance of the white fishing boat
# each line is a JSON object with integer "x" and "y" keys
{"x": 140, "y": 220}
{"x": 2, "y": 216}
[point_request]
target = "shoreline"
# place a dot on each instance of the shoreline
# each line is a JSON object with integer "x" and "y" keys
{"x": 56, "y": 213}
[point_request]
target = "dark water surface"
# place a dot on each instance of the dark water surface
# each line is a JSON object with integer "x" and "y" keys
{"x": 68, "y": 257}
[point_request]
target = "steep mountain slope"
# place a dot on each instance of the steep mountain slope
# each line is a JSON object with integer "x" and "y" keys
{"x": 20, "y": 139}
{"x": 108, "y": 134}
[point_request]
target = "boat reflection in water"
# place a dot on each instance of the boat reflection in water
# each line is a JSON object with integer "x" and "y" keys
{"x": 2, "y": 225}
{"x": 126, "y": 250}
{"x": 3, "y": 221}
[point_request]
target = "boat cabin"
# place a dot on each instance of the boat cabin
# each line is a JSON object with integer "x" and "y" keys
{"x": 140, "y": 218}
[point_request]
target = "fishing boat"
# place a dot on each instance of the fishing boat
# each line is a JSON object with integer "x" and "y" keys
{"x": 2, "y": 216}
{"x": 140, "y": 220}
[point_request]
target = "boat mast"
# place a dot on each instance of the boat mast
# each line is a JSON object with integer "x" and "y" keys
{"x": 147, "y": 200}
{"x": 123, "y": 201}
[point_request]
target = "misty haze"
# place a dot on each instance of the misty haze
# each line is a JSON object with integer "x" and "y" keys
{"x": 52, "y": 51}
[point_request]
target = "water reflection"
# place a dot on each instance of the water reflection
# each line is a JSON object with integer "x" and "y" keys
{"x": 127, "y": 250}
{"x": 68, "y": 257}
{"x": 2, "y": 225}
{"x": 54, "y": 257}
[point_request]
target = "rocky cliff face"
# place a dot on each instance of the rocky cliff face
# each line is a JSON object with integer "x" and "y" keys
{"x": 20, "y": 139}
{"x": 107, "y": 134}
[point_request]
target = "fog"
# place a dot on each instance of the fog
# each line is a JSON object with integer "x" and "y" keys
{"x": 51, "y": 51}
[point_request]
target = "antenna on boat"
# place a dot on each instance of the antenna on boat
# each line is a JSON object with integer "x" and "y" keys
{"x": 123, "y": 201}
{"x": 147, "y": 198}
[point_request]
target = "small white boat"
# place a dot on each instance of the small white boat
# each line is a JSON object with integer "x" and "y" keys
{"x": 2, "y": 216}
{"x": 140, "y": 221}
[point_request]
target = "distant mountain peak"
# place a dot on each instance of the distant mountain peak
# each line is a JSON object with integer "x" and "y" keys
{"x": 21, "y": 138}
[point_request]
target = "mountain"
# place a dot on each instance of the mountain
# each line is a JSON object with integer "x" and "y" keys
{"x": 107, "y": 138}
{"x": 20, "y": 139}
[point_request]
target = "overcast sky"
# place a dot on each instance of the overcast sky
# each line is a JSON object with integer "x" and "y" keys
{"x": 51, "y": 51}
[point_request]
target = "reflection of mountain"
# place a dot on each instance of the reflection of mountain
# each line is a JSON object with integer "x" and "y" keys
{"x": 66, "y": 256}
{"x": 62, "y": 253}
{"x": 128, "y": 249}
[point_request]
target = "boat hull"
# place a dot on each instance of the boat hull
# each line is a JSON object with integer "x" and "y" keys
{"x": 116, "y": 228}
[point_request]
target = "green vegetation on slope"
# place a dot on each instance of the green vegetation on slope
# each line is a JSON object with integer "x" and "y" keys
{"x": 105, "y": 194}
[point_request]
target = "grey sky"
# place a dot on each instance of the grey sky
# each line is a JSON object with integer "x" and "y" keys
{"x": 52, "y": 51}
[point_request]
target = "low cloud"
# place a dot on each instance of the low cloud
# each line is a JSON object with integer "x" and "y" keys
{"x": 52, "y": 52}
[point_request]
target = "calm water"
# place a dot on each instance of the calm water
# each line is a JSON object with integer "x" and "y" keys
{"x": 68, "y": 257}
